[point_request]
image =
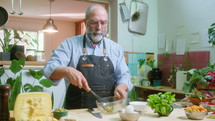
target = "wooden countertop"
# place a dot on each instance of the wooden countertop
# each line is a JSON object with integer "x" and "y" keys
{"x": 161, "y": 88}
{"x": 30, "y": 63}
{"x": 176, "y": 115}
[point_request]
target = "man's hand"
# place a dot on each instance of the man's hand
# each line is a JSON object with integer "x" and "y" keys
{"x": 77, "y": 78}
{"x": 121, "y": 91}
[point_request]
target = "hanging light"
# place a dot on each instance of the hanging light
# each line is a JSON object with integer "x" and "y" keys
{"x": 50, "y": 26}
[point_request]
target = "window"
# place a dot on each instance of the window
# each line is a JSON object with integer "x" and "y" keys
{"x": 32, "y": 39}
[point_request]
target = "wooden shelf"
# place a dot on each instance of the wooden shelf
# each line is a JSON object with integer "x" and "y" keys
{"x": 30, "y": 63}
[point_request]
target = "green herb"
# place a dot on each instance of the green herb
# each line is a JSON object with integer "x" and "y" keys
{"x": 135, "y": 16}
{"x": 141, "y": 62}
{"x": 211, "y": 34}
{"x": 161, "y": 103}
{"x": 199, "y": 76}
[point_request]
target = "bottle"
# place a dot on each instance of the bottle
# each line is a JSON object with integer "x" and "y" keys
{"x": 4, "y": 98}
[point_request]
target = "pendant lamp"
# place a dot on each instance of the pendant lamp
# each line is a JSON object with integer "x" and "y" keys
{"x": 50, "y": 26}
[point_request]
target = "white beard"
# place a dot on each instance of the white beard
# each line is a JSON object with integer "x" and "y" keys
{"x": 95, "y": 36}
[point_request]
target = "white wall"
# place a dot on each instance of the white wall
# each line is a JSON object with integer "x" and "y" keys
{"x": 186, "y": 19}
{"x": 130, "y": 41}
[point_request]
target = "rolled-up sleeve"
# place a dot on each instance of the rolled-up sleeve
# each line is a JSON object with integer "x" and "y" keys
{"x": 122, "y": 73}
{"x": 60, "y": 57}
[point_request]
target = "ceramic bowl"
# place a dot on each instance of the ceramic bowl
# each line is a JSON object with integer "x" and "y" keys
{"x": 59, "y": 114}
{"x": 195, "y": 115}
{"x": 140, "y": 106}
{"x": 196, "y": 101}
{"x": 111, "y": 102}
{"x": 129, "y": 116}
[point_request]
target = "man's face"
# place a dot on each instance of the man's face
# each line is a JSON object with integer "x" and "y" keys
{"x": 96, "y": 25}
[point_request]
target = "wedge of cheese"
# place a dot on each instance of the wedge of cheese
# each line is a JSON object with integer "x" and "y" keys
{"x": 33, "y": 106}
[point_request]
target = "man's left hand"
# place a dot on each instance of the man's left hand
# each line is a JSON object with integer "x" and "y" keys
{"x": 121, "y": 91}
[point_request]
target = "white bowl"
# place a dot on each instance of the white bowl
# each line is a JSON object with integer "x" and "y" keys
{"x": 140, "y": 106}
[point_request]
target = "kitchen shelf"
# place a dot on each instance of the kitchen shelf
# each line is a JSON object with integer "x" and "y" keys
{"x": 30, "y": 63}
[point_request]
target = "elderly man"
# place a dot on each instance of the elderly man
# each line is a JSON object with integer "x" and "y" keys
{"x": 90, "y": 61}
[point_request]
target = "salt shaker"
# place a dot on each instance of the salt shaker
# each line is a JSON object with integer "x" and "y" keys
{"x": 4, "y": 98}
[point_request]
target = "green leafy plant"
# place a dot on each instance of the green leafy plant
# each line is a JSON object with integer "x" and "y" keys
{"x": 211, "y": 34}
{"x": 37, "y": 75}
{"x": 198, "y": 94}
{"x": 15, "y": 37}
{"x": 15, "y": 80}
{"x": 198, "y": 76}
{"x": 135, "y": 16}
{"x": 141, "y": 62}
{"x": 161, "y": 103}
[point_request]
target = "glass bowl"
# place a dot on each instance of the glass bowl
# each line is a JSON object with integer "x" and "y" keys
{"x": 110, "y": 102}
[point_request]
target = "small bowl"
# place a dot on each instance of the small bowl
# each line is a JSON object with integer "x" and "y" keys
{"x": 111, "y": 101}
{"x": 195, "y": 115}
{"x": 211, "y": 115}
{"x": 129, "y": 116}
{"x": 59, "y": 114}
{"x": 140, "y": 106}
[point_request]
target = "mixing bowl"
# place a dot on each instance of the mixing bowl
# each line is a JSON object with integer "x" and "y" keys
{"x": 110, "y": 102}
{"x": 129, "y": 116}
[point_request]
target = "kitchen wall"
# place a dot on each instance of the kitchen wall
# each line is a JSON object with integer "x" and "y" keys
{"x": 186, "y": 19}
{"x": 51, "y": 40}
{"x": 130, "y": 41}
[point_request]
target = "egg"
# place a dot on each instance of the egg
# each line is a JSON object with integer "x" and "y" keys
{"x": 129, "y": 109}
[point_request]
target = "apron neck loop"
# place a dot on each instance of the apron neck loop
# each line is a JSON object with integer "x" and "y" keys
{"x": 84, "y": 47}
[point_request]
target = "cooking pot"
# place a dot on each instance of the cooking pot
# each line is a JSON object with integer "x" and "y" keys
{"x": 3, "y": 16}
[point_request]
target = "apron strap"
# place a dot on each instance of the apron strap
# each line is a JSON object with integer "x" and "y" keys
{"x": 84, "y": 46}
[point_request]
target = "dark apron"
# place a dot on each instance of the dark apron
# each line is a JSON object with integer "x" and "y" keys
{"x": 99, "y": 72}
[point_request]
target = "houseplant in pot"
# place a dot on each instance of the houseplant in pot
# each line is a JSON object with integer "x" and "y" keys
{"x": 161, "y": 103}
{"x": 200, "y": 77}
{"x": 10, "y": 39}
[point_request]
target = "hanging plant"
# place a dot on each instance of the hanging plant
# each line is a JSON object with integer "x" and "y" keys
{"x": 211, "y": 34}
{"x": 135, "y": 16}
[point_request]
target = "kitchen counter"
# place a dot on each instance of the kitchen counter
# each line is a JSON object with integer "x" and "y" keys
{"x": 176, "y": 115}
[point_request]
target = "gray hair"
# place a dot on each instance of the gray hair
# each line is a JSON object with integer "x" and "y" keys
{"x": 90, "y": 9}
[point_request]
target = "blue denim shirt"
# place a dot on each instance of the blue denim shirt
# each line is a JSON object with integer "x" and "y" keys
{"x": 69, "y": 51}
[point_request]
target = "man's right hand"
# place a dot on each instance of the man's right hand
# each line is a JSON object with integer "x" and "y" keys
{"x": 75, "y": 77}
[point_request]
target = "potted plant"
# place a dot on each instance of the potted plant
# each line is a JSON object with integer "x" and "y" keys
{"x": 211, "y": 34}
{"x": 11, "y": 39}
{"x": 16, "y": 83}
{"x": 200, "y": 77}
{"x": 196, "y": 96}
{"x": 161, "y": 103}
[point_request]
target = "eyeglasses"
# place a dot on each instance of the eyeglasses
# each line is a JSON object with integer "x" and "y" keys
{"x": 96, "y": 23}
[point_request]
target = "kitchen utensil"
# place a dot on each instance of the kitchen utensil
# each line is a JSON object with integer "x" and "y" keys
{"x": 3, "y": 16}
{"x": 95, "y": 113}
{"x": 108, "y": 107}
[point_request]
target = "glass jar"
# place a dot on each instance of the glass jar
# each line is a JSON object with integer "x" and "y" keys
{"x": 40, "y": 55}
